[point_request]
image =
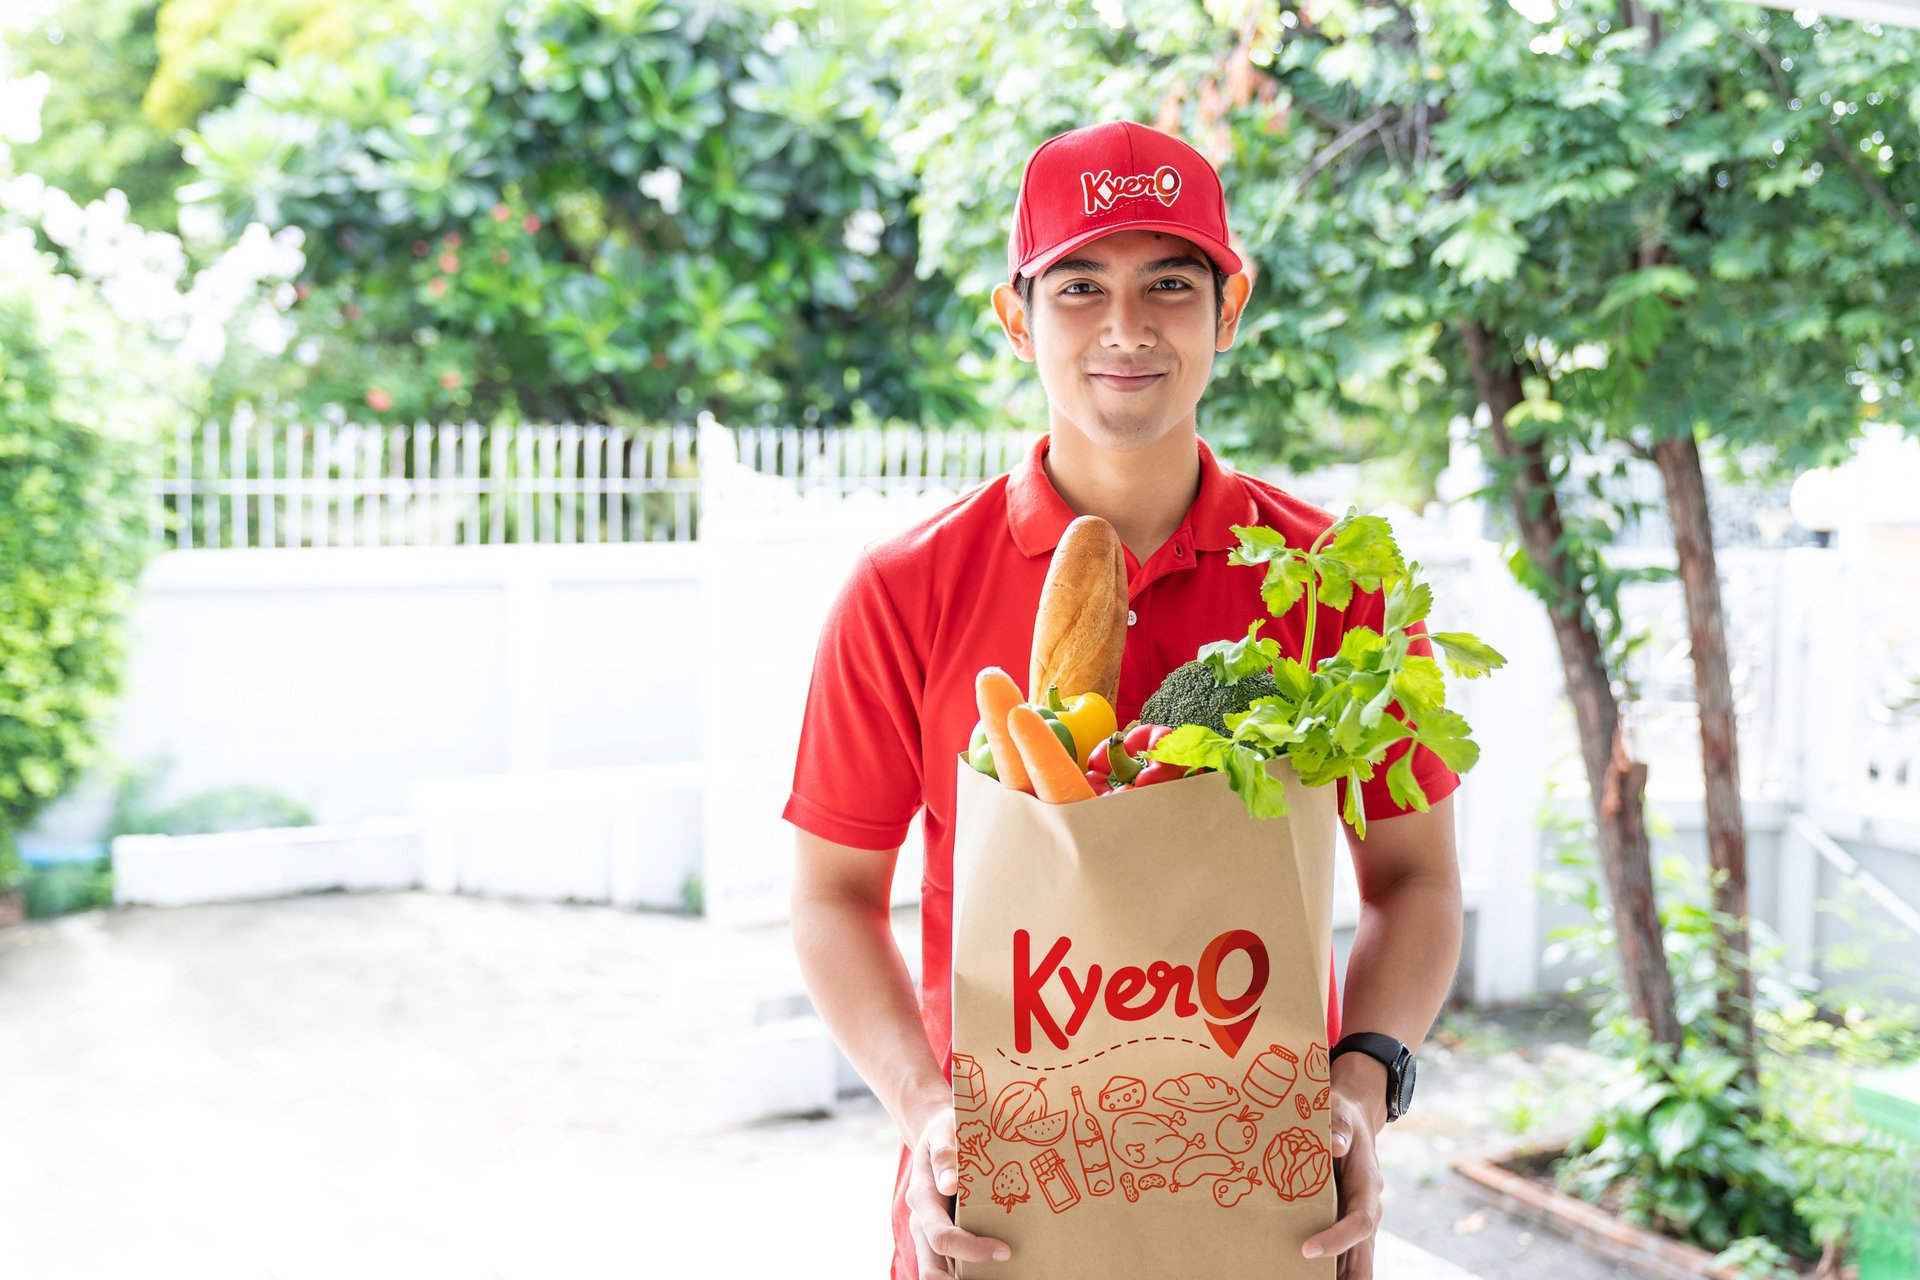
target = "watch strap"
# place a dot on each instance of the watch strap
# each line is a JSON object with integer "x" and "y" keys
{"x": 1389, "y": 1053}
{"x": 1382, "y": 1048}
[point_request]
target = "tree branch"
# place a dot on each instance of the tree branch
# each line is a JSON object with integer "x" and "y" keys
{"x": 1837, "y": 143}
{"x": 1372, "y": 125}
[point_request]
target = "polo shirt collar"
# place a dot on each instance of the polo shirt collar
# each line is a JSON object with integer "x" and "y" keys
{"x": 1038, "y": 516}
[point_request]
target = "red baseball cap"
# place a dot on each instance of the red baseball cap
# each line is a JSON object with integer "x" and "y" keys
{"x": 1121, "y": 176}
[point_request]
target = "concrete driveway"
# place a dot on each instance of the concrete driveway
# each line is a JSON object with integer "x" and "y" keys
{"x": 413, "y": 1085}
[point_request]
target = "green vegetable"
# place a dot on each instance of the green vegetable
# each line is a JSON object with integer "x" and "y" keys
{"x": 1331, "y": 722}
{"x": 1193, "y": 694}
{"x": 980, "y": 753}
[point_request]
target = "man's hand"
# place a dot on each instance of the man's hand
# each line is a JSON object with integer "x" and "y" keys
{"x": 931, "y": 1184}
{"x": 1357, "y": 1175}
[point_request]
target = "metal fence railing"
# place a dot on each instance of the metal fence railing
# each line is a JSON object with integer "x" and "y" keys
{"x": 253, "y": 484}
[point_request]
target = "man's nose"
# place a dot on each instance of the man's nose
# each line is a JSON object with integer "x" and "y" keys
{"x": 1128, "y": 326}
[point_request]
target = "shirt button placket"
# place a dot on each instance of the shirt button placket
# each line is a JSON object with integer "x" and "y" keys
{"x": 1132, "y": 617}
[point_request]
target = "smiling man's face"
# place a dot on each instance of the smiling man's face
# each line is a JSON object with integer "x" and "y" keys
{"x": 1123, "y": 332}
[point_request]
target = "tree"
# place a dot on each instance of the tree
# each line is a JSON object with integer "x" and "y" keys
{"x": 1622, "y": 230}
{"x": 629, "y": 207}
{"x": 98, "y": 57}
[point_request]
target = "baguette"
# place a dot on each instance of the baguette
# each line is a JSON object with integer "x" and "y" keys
{"x": 1080, "y": 628}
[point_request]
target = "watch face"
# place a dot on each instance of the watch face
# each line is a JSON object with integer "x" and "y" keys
{"x": 1406, "y": 1084}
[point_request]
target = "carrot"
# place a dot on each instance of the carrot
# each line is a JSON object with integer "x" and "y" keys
{"x": 1056, "y": 775}
{"x": 997, "y": 694}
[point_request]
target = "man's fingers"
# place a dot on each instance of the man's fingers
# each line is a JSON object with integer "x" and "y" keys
{"x": 1362, "y": 1220}
{"x": 931, "y": 1218}
{"x": 1359, "y": 1218}
{"x": 931, "y": 1263}
{"x": 941, "y": 1148}
{"x": 934, "y": 1229}
{"x": 945, "y": 1161}
{"x": 1358, "y": 1179}
{"x": 1357, "y": 1262}
{"x": 951, "y": 1242}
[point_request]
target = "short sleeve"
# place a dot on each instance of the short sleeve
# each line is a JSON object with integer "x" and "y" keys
{"x": 857, "y": 780}
{"x": 1435, "y": 778}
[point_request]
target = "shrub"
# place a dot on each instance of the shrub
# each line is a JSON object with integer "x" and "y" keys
{"x": 1761, "y": 1170}
{"x": 79, "y": 396}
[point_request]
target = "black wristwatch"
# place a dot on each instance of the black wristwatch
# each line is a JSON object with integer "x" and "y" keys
{"x": 1391, "y": 1054}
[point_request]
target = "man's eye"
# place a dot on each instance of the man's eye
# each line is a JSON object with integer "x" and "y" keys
{"x": 1173, "y": 280}
{"x": 1075, "y": 285}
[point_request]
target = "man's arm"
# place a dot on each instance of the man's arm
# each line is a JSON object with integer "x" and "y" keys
{"x": 1406, "y": 944}
{"x": 858, "y": 979}
{"x": 1405, "y": 948}
{"x": 861, "y": 988}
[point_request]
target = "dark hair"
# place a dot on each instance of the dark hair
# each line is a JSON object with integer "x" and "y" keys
{"x": 1024, "y": 287}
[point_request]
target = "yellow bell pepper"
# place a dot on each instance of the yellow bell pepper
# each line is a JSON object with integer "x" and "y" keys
{"x": 1089, "y": 718}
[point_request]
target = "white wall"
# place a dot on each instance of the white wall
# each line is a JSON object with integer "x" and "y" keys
{"x": 338, "y": 676}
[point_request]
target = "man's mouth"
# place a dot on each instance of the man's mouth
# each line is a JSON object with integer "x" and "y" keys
{"x": 1129, "y": 382}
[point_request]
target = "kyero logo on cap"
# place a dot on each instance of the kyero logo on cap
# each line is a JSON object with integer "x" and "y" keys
{"x": 1121, "y": 176}
{"x": 1103, "y": 189}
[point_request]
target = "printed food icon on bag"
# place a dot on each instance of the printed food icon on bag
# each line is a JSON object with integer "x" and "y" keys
{"x": 1197, "y": 1092}
{"x": 1210, "y": 1164}
{"x": 972, "y": 1137}
{"x": 1228, "y": 1192}
{"x": 1316, "y": 1063}
{"x": 1320, "y": 1099}
{"x": 1123, "y": 1093}
{"x": 1010, "y": 1185}
{"x": 1143, "y": 1140}
{"x": 1020, "y": 1115}
{"x": 1236, "y": 1133}
{"x": 1270, "y": 1078}
{"x": 1091, "y": 1146}
{"x": 1055, "y": 1181}
{"x": 969, "y": 1083}
{"x": 1297, "y": 1164}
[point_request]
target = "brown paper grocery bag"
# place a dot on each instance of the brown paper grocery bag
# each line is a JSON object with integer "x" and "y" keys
{"x": 1139, "y": 1017}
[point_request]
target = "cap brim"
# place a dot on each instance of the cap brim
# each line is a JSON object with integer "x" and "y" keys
{"x": 1223, "y": 257}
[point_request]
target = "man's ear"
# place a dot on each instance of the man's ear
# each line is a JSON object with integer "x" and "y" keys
{"x": 1233, "y": 305}
{"x": 1013, "y": 319}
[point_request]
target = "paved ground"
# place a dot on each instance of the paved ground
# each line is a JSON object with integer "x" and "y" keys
{"x": 411, "y": 1085}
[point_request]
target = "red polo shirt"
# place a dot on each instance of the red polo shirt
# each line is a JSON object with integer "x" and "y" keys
{"x": 892, "y": 698}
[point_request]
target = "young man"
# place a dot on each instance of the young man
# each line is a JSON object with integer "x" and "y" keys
{"x": 1122, "y": 287}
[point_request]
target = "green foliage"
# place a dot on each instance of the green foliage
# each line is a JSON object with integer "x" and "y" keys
{"x": 1338, "y": 720}
{"x": 206, "y": 47}
{"x": 1711, "y": 233}
{"x": 98, "y": 57}
{"x": 235, "y": 808}
{"x": 565, "y": 210}
{"x": 79, "y": 396}
{"x": 67, "y": 887}
{"x": 1677, "y": 1143}
{"x": 1685, "y": 1144}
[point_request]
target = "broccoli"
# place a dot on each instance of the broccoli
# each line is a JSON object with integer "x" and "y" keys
{"x": 1190, "y": 695}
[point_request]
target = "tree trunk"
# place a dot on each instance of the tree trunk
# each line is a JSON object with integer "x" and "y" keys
{"x": 1679, "y": 461}
{"x": 1616, "y": 783}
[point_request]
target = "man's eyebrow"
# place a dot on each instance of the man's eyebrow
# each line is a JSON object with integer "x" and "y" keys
{"x": 1087, "y": 266}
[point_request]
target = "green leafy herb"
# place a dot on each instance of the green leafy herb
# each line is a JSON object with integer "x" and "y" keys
{"x": 1232, "y": 661}
{"x": 1339, "y": 719}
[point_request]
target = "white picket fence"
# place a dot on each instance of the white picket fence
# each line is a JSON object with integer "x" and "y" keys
{"x": 248, "y": 483}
